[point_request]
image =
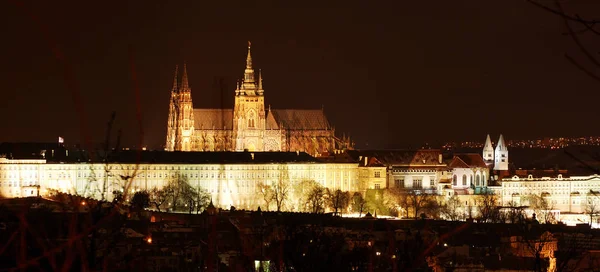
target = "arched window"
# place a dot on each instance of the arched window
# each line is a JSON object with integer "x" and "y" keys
{"x": 483, "y": 180}
{"x": 464, "y": 180}
{"x": 454, "y": 180}
{"x": 251, "y": 119}
{"x": 477, "y": 179}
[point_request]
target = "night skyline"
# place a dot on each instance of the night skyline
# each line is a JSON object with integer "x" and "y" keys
{"x": 392, "y": 75}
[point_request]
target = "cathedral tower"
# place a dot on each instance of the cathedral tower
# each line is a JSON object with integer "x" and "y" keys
{"x": 501, "y": 155}
{"x": 249, "y": 110}
{"x": 180, "y": 126}
{"x": 488, "y": 151}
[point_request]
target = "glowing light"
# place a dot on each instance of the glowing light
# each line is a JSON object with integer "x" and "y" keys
{"x": 378, "y": 253}
{"x": 83, "y": 203}
{"x": 149, "y": 240}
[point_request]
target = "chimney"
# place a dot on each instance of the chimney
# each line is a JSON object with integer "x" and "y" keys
{"x": 440, "y": 158}
{"x": 252, "y": 155}
{"x": 366, "y": 160}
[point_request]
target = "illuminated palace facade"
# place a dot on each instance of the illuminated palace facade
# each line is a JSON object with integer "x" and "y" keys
{"x": 231, "y": 178}
{"x": 249, "y": 125}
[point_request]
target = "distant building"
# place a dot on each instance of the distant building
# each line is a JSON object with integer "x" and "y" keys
{"x": 496, "y": 158}
{"x": 470, "y": 172}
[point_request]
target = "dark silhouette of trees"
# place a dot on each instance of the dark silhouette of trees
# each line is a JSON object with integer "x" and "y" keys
{"x": 140, "y": 200}
{"x": 281, "y": 191}
{"x": 358, "y": 203}
{"x": 451, "y": 209}
{"x": 487, "y": 205}
{"x": 266, "y": 192}
{"x": 337, "y": 200}
{"x": 316, "y": 199}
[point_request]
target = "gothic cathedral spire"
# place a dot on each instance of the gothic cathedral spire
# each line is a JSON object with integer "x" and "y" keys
{"x": 249, "y": 57}
{"x": 180, "y": 127}
{"x": 249, "y": 72}
{"x": 175, "y": 79}
{"x": 184, "y": 79}
{"x": 249, "y": 111}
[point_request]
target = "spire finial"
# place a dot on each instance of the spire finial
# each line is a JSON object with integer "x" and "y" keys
{"x": 184, "y": 78}
{"x": 175, "y": 80}
{"x": 249, "y": 57}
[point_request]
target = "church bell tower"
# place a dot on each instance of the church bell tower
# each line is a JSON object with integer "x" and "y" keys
{"x": 488, "y": 151}
{"x": 249, "y": 110}
{"x": 501, "y": 155}
{"x": 180, "y": 125}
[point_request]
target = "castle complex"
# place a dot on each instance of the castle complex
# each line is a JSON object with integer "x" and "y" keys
{"x": 249, "y": 125}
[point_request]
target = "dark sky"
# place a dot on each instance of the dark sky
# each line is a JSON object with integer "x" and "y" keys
{"x": 391, "y": 74}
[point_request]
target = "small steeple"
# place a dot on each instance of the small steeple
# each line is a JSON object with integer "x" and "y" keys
{"x": 488, "y": 149}
{"x": 175, "y": 79}
{"x": 501, "y": 146}
{"x": 249, "y": 57}
{"x": 184, "y": 78}
{"x": 249, "y": 82}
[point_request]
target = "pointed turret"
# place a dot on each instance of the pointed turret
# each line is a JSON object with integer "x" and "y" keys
{"x": 175, "y": 79}
{"x": 488, "y": 149}
{"x": 249, "y": 57}
{"x": 249, "y": 72}
{"x": 501, "y": 146}
{"x": 184, "y": 79}
{"x": 501, "y": 155}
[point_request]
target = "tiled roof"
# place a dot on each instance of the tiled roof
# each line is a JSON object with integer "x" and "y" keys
{"x": 421, "y": 158}
{"x": 374, "y": 162}
{"x": 166, "y": 157}
{"x": 472, "y": 159}
{"x": 213, "y": 118}
{"x": 458, "y": 163}
{"x": 299, "y": 119}
{"x": 271, "y": 123}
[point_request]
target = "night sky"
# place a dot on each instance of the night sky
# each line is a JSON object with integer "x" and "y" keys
{"x": 393, "y": 74}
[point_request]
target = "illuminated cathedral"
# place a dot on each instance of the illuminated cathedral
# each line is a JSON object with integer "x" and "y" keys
{"x": 249, "y": 125}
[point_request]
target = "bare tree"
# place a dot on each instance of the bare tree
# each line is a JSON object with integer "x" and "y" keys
{"x": 591, "y": 206}
{"x": 358, "y": 203}
{"x": 514, "y": 213}
{"x": 487, "y": 204}
{"x": 201, "y": 199}
{"x": 316, "y": 199}
{"x": 451, "y": 208}
{"x": 301, "y": 191}
{"x": 158, "y": 197}
{"x": 280, "y": 194}
{"x": 419, "y": 202}
{"x": 267, "y": 192}
{"x": 541, "y": 207}
{"x": 337, "y": 200}
{"x": 395, "y": 200}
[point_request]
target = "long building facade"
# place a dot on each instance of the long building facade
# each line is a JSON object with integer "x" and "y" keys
{"x": 250, "y": 125}
{"x": 231, "y": 178}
